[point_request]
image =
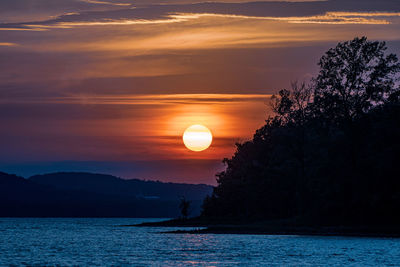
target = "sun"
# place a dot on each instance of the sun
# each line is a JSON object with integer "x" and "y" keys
{"x": 197, "y": 137}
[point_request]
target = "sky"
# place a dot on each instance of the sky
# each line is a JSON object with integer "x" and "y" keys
{"x": 110, "y": 86}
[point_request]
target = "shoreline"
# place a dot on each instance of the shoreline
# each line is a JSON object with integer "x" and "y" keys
{"x": 270, "y": 228}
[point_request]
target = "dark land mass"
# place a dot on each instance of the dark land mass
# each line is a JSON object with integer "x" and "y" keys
{"x": 94, "y": 195}
{"x": 201, "y": 225}
{"x": 327, "y": 161}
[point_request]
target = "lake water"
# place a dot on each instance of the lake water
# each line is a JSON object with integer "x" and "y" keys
{"x": 101, "y": 242}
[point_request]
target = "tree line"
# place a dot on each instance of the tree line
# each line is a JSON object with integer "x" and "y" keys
{"x": 330, "y": 153}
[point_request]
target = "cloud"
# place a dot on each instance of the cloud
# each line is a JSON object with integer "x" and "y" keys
{"x": 366, "y": 18}
{"x": 321, "y": 12}
{"x": 248, "y": 70}
{"x": 143, "y": 99}
{"x": 105, "y": 3}
{"x": 8, "y": 44}
{"x": 38, "y": 29}
{"x": 328, "y": 18}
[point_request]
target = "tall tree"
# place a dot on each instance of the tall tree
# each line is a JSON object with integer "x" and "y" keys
{"x": 354, "y": 77}
{"x": 328, "y": 155}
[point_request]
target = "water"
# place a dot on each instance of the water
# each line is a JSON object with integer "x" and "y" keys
{"x": 101, "y": 242}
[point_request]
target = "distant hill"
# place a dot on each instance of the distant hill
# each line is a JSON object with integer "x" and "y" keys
{"x": 93, "y": 195}
{"x": 111, "y": 185}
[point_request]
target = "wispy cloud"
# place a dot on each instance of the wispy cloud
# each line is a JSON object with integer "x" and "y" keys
{"x": 178, "y": 31}
{"x": 8, "y": 44}
{"x": 343, "y": 18}
{"x": 367, "y": 18}
{"x": 105, "y": 3}
{"x": 24, "y": 28}
{"x": 327, "y": 18}
{"x": 144, "y": 99}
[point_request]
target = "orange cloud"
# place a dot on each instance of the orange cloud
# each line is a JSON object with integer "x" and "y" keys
{"x": 8, "y": 44}
{"x": 327, "y": 18}
{"x": 105, "y": 3}
{"x": 188, "y": 31}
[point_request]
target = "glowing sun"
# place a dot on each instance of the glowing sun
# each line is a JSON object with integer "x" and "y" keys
{"x": 197, "y": 137}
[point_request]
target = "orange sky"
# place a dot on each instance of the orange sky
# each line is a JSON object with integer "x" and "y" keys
{"x": 110, "y": 86}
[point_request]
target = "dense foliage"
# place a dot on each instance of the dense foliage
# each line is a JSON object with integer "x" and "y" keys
{"x": 329, "y": 155}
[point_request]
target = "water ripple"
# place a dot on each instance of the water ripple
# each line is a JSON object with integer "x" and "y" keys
{"x": 98, "y": 242}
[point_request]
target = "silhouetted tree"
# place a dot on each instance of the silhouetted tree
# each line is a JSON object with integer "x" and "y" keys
{"x": 328, "y": 155}
{"x": 292, "y": 106}
{"x": 354, "y": 77}
{"x": 184, "y": 207}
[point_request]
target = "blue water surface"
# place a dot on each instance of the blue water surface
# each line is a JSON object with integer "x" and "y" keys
{"x": 102, "y": 242}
